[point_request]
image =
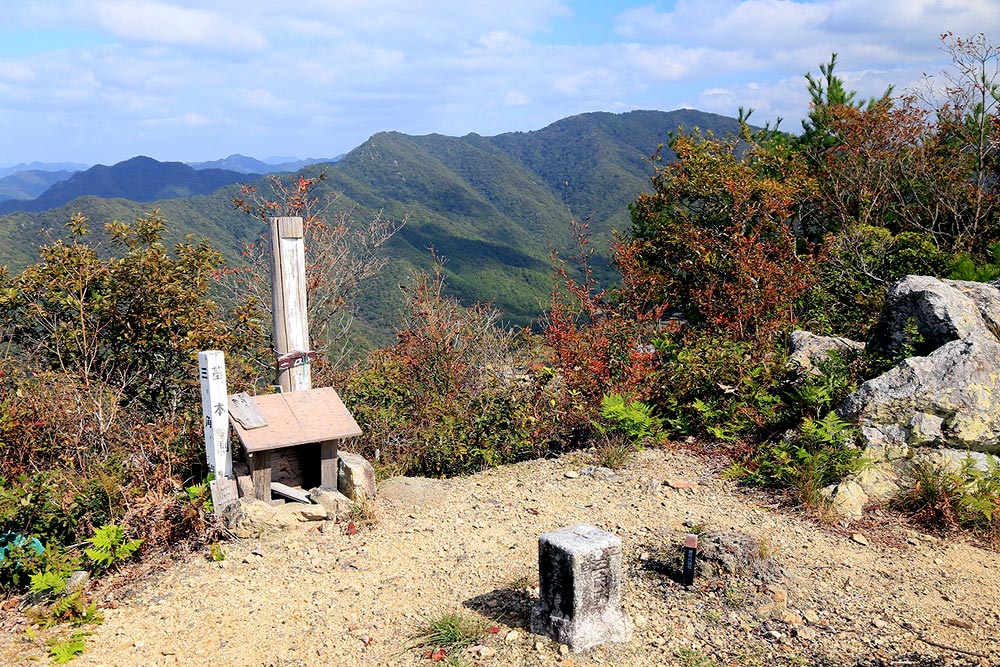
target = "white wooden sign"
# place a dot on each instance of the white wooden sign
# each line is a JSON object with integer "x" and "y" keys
{"x": 215, "y": 412}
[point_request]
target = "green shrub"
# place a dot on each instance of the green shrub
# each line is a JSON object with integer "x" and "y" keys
{"x": 715, "y": 386}
{"x": 820, "y": 453}
{"x": 634, "y": 419}
{"x": 109, "y": 546}
{"x": 966, "y": 268}
{"x": 948, "y": 497}
{"x": 456, "y": 393}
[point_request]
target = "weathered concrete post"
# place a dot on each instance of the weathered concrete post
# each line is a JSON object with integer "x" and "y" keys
{"x": 580, "y": 588}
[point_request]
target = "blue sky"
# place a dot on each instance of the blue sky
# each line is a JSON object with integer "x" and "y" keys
{"x": 99, "y": 81}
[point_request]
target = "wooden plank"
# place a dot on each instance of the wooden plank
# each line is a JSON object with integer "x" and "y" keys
{"x": 244, "y": 410}
{"x": 298, "y": 495}
{"x": 260, "y": 473}
{"x": 224, "y": 494}
{"x": 328, "y": 463}
{"x": 288, "y": 299}
{"x": 215, "y": 412}
{"x": 299, "y": 417}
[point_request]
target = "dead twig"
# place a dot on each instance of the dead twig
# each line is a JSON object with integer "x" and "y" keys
{"x": 948, "y": 647}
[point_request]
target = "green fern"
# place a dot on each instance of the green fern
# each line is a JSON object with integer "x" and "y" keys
{"x": 65, "y": 650}
{"x": 48, "y": 583}
{"x": 109, "y": 546}
{"x": 633, "y": 418}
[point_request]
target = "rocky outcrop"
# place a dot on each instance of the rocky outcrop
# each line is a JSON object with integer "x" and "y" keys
{"x": 951, "y": 396}
{"x": 807, "y": 350}
{"x": 939, "y": 311}
{"x": 943, "y": 403}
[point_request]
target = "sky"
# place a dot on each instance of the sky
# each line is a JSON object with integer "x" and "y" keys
{"x": 99, "y": 81}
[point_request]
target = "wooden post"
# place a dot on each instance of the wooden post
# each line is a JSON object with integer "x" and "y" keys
{"x": 328, "y": 464}
{"x": 288, "y": 298}
{"x": 260, "y": 473}
{"x": 215, "y": 411}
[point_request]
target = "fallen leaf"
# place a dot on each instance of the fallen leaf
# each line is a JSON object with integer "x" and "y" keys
{"x": 351, "y": 529}
{"x": 438, "y": 655}
{"x": 493, "y": 629}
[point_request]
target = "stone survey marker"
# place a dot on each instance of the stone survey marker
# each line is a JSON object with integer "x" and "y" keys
{"x": 580, "y": 588}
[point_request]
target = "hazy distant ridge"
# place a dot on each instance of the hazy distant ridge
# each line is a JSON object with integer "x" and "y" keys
{"x": 140, "y": 179}
{"x": 249, "y": 165}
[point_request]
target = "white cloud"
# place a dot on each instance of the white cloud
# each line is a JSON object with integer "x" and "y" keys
{"x": 320, "y": 76}
{"x": 150, "y": 21}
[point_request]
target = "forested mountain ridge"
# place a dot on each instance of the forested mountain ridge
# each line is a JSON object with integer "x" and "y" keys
{"x": 141, "y": 179}
{"x": 494, "y": 207}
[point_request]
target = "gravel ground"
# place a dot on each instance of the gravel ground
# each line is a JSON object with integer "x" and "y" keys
{"x": 868, "y": 594}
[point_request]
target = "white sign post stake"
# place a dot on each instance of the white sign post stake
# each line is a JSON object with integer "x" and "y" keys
{"x": 215, "y": 411}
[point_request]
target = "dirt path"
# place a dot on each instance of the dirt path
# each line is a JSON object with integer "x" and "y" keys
{"x": 316, "y": 596}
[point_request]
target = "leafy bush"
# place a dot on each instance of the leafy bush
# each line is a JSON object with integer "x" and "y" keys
{"x": 634, "y": 419}
{"x": 456, "y": 393}
{"x": 857, "y": 266}
{"x": 966, "y": 268}
{"x": 946, "y": 496}
{"x": 717, "y": 233}
{"x": 821, "y": 452}
{"x": 109, "y": 546}
{"x": 99, "y": 406}
{"x": 600, "y": 340}
{"x": 709, "y": 384}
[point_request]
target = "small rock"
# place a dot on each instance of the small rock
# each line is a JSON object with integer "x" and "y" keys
{"x": 860, "y": 539}
{"x": 303, "y": 512}
{"x": 805, "y": 632}
{"x": 539, "y": 646}
{"x": 810, "y": 616}
{"x": 77, "y": 582}
{"x": 571, "y": 474}
{"x": 512, "y": 636}
{"x": 680, "y": 484}
{"x": 640, "y": 621}
{"x": 355, "y": 477}
{"x": 787, "y": 617}
{"x": 563, "y": 649}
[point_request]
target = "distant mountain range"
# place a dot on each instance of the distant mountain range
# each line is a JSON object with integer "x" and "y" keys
{"x": 42, "y": 166}
{"x": 30, "y": 183}
{"x": 493, "y": 206}
{"x": 249, "y": 165}
{"x": 140, "y": 179}
{"x": 35, "y": 181}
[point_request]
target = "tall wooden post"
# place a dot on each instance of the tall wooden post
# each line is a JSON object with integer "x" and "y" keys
{"x": 288, "y": 300}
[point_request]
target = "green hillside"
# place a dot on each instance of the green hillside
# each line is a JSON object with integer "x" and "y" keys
{"x": 494, "y": 207}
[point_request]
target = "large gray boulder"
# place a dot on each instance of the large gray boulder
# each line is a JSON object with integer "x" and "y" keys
{"x": 941, "y": 311}
{"x": 949, "y": 398}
